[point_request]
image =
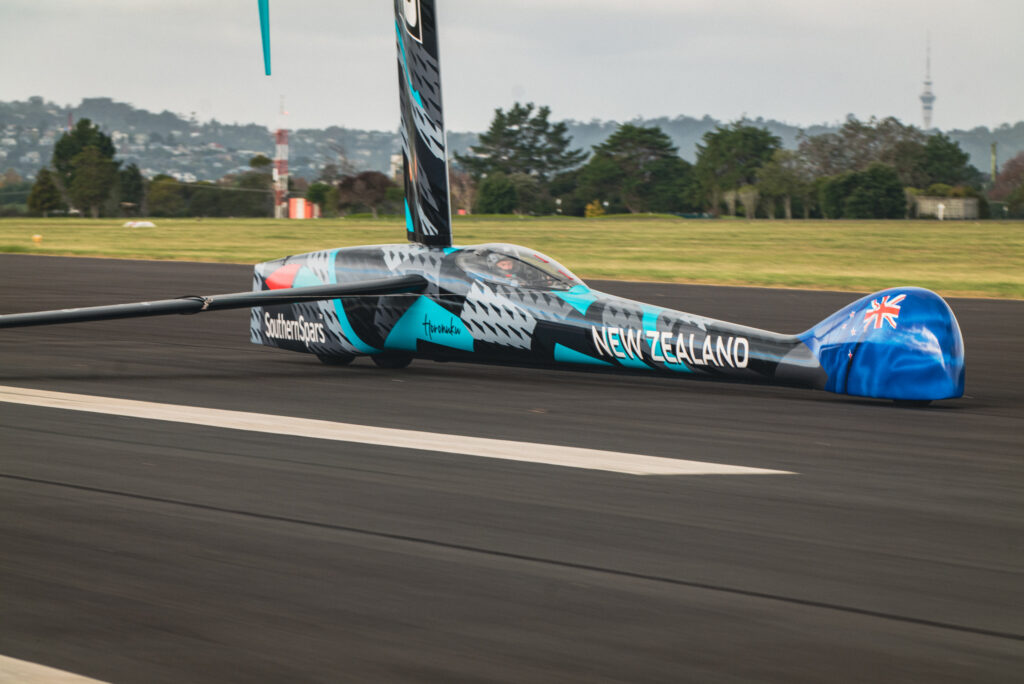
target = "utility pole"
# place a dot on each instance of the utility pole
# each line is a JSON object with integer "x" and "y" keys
{"x": 994, "y": 170}
{"x": 281, "y": 168}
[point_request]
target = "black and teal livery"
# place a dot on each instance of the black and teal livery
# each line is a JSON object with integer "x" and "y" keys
{"x": 500, "y": 303}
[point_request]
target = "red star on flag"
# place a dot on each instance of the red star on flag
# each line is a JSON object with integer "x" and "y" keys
{"x": 886, "y": 311}
{"x": 850, "y": 322}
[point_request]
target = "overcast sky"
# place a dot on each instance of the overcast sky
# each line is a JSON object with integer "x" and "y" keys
{"x": 799, "y": 61}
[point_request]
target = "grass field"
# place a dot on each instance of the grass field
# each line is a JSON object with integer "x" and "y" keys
{"x": 952, "y": 258}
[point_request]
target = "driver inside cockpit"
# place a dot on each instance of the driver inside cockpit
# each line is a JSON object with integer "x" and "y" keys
{"x": 515, "y": 266}
{"x": 505, "y": 265}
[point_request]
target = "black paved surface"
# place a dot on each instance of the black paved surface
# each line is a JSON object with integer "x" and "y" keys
{"x": 138, "y": 551}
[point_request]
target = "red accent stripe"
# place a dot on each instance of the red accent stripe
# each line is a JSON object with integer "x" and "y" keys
{"x": 282, "y": 278}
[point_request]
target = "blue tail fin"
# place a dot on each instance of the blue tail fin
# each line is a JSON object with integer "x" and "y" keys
{"x": 424, "y": 147}
{"x": 903, "y": 343}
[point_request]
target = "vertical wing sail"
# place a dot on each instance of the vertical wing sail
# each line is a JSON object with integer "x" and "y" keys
{"x": 424, "y": 148}
{"x": 264, "y": 6}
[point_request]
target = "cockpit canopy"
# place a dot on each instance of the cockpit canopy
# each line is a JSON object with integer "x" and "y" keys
{"x": 516, "y": 266}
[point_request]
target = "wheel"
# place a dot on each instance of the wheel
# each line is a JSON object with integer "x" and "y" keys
{"x": 335, "y": 359}
{"x": 387, "y": 360}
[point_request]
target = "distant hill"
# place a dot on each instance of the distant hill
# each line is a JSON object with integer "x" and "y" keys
{"x": 170, "y": 143}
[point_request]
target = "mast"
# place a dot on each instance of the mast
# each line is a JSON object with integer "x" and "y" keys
{"x": 424, "y": 146}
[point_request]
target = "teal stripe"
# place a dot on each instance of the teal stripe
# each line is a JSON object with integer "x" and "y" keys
{"x": 429, "y": 321}
{"x": 305, "y": 278}
{"x": 346, "y": 326}
{"x": 630, "y": 362}
{"x": 650, "y": 322}
{"x": 579, "y": 298}
{"x": 405, "y": 65}
{"x": 564, "y": 354}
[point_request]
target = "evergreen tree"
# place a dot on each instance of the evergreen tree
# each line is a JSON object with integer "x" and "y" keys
{"x": 92, "y": 178}
{"x": 833, "y": 191}
{"x": 945, "y": 162}
{"x": 637, "y": 168}
{"x": 131, "y": 186}
{"x": 521, "y": 141}
{"x": 565, "y": 189}
{"x": 878, "y": 193}
{"x": 600, "y": 180}
{"x": 531, "y": 196}
{"x": 875, "y": 192}
{"x": 496, "y": 195}
{"x": 730, "y": 157}
{"x": 45, "y": 197}
{"x": 72, "y": 143}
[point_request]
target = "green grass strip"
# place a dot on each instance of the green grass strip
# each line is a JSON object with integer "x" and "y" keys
{"x": 954, "y": 258}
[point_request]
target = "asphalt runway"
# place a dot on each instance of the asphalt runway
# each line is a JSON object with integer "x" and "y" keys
{"x": 144, "y": 551}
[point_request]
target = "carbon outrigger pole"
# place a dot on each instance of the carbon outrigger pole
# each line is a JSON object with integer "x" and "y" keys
{"x": 193, "y": 304}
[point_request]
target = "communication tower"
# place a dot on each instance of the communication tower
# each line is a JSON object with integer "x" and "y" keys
{"x": 927, "y": 97}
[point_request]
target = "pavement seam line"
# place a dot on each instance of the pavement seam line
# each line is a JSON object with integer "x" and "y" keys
{"x": 572, "y": 565}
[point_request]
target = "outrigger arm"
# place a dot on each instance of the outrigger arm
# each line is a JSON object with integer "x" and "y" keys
{"x": 193, "y": 304}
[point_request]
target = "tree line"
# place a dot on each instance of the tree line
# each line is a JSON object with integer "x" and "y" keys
{"x": 525, "y": 164}
{"x": 868, "y": 169}
{"x": 84, "y": 176}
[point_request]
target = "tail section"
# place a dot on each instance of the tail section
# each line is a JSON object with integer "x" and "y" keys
{"x": 902, "y": 343}
{"x": 424, "y": 147}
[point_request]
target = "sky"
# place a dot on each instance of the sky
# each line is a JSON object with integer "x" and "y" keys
{"x": 803, "y": 62}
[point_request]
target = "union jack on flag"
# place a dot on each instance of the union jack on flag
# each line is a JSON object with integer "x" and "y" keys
{"x": 885, "y": 311}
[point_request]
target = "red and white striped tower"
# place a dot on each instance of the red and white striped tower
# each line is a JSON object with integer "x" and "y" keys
{"x": 281, "y": 173}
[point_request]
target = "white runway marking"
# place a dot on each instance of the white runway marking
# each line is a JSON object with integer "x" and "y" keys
{"x": 528, "y": 452}
{"x": 14, "y": 671}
